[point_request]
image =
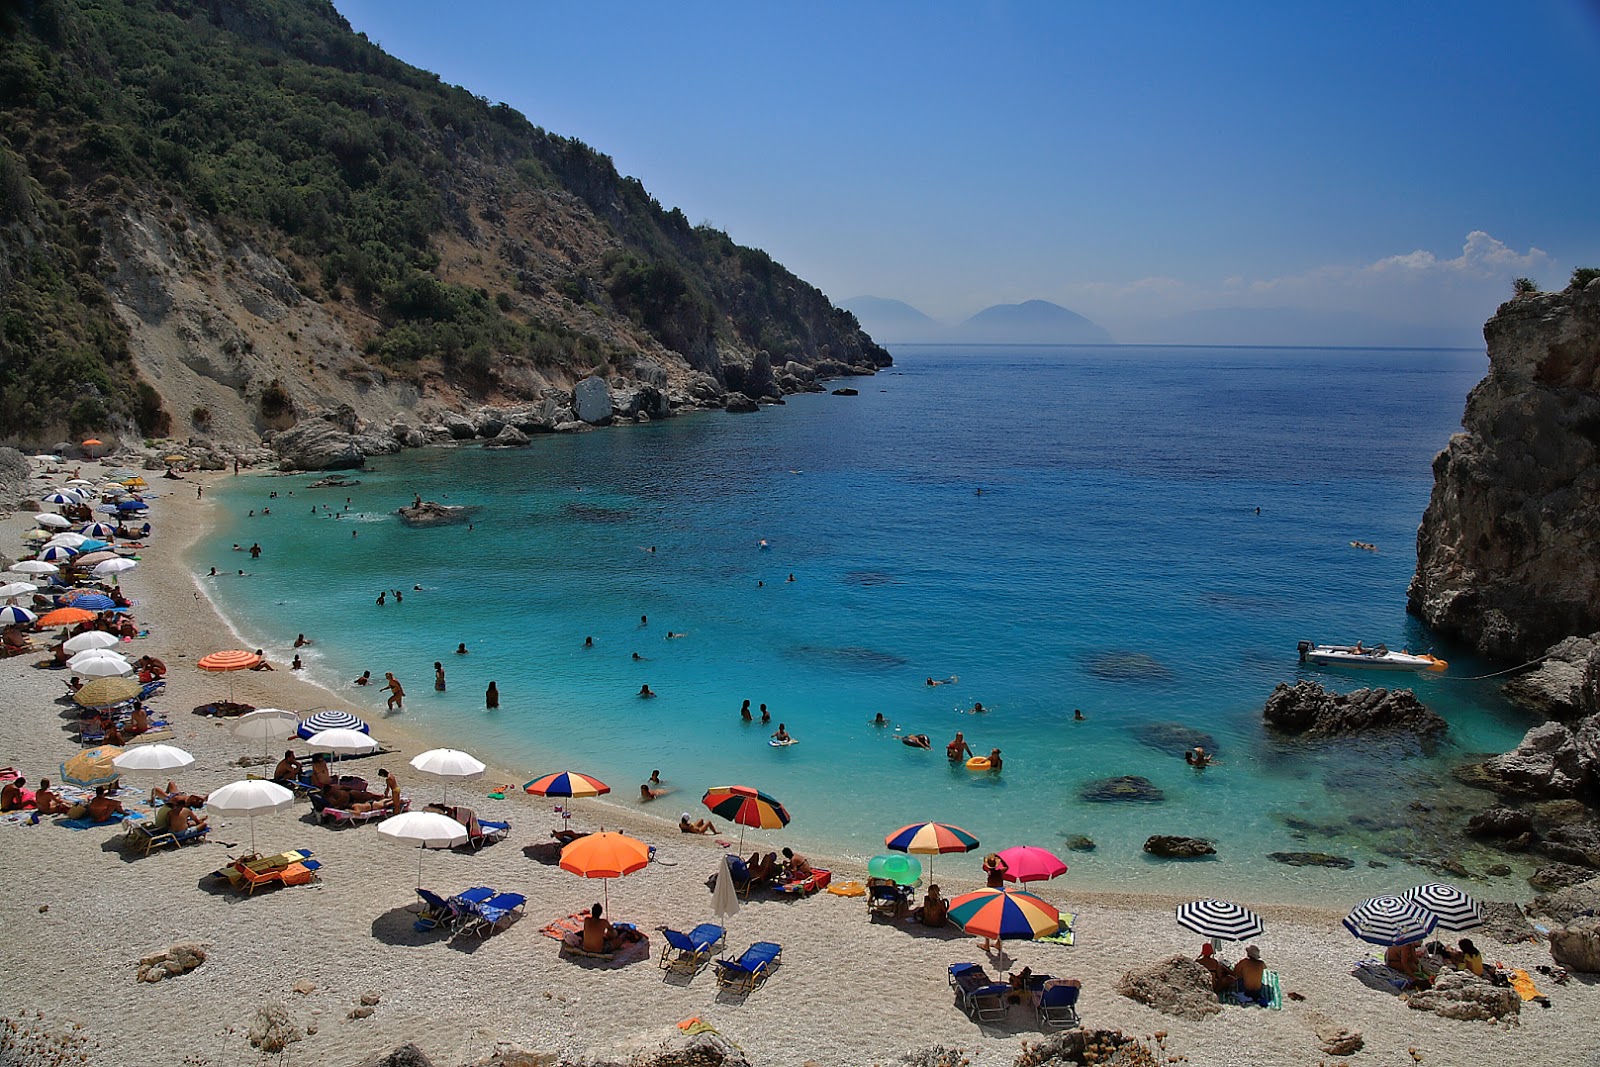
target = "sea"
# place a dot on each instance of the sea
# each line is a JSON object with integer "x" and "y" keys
{"x": 1137, "y": 534}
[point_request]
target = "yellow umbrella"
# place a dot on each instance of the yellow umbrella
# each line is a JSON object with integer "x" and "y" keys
{"x": 108, "y": 692}
{"x": 135, "y": 483}
{"x": 91, "y": 767}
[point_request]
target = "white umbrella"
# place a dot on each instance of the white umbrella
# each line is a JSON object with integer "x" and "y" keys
{"x": 34, "y": 566}
{"x": 11, "y": 589}
{"x": 80, "y": 482}
{"x": 50, "y": 518}
{"x": 70, "y": 539}
{"x": 114, "y": 566}
{"x": 344, "y": 742}
{"x": 251, "y": 797}
{"x": 425, "y": 829}
{"x": 99, "y": 663}
{"x": 267, "y": 725}
{"x": 450, "y": 764}
{"x": 724, "y": 898}
{"x": 89, "y": 639}
{"x": 152, "y": 759}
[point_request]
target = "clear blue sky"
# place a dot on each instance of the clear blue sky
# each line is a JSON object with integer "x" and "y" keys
{"x": 1129, "y": 161}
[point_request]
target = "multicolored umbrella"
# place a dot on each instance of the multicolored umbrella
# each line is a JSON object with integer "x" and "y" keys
{"x": 1220, "y": 920}
{"x": 747, "y": 807}
{"x": 567, "y": 784}
{"x": 92, "y": 767}
{"x": 931, "y": 839}
{"x": 1390, "y": 920}
{"x": 605, "y": 855}
{"x": 1004, "y": 915}
{"x": 89, "y": 601}
{"x": 108, "y": 692}
{"x": 1027, "y": 863}
{"x": 1454, "y": 909}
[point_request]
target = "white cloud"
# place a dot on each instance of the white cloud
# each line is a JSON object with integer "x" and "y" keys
{"x": 1482, "y": 255}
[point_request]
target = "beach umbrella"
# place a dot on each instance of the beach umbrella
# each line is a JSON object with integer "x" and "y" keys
{"x": 57, "y": 554}
{"x": 1027, "y": 863}
{"x": 724, "y": 897}
{"x": 251, "y": 797}
{"x": 87, "y": 545}
{"x": 605, "y": 855}
{"x": 51, "y": 519}
{"x": 931, "y": 839}
{"x": 11, "y": 615}
{"x": 63, "y": 498}
{"x": 114, "y": 567}
{"x": 36, "y": 535}
{"x": 132, "y": 505}
{"x": 104, "y": 531}
{"x": 226, "y": 662}
{"x": 897, "y": 868}
{"x": 330, "y": 719}
{"x": 100, "y": 663}
{"x": 450, "y": 764}
{"x": 267, "y": 725}
{"x": 11, "y": 589}
{"x": 152, "y": 759}
{"x": 91, "y": 639}
{"x": 567, "y": 784}
{"x": 78, "y": 481}
{"x": 65, "y": 617}
{"x": 89, "y": 601}
{"x": 1454, "y": 909}
{"x": 1390, "y": 920}
{"x": 424, "y": 829}
{"x": 108, "y": 509}
{"x": 343, "y": 742}
{"x": 1004, "y": 915}
{"x": 67, "y": 539}
{"x": 108, "y": 692}
{"x": 1220, "y": 920}
{"x": 91, "y": 556}
{"x": 135, "y": 482}
{"x": 34, "y": 566}
{"x": 747, "y": 807}
{"x": 91, "y": 767}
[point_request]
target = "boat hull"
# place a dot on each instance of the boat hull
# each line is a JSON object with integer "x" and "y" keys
{"x": 1378, "y": 659}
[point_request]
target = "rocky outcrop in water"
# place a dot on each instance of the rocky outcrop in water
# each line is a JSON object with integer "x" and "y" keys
{"x": 1553, "y": 760}
{"x": 431, "y": 513}
{"x": 1179, "y": 848}
{"x": 1127, "y": 787}
{"x": 1306, "y": 709}
{"x": 1566, "y": 685}
{"x": 1505, "y": 552}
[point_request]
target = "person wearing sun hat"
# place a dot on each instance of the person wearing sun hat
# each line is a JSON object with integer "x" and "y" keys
{"x": 690, "y": 825}
{"x": 1250, "y": 972}
{"x": 1222, "y": 979}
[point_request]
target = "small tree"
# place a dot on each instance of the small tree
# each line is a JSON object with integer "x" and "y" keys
{"x": 1582, "y": 276}
{"x": 1524, "y": 287}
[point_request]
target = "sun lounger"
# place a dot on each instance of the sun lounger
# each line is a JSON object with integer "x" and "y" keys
{"x": 144, "y": 834}
{"x": 751, "y": 969}
{"x": 341, "y": 817}
{"x": 887, "y": 896}
{"x": 1056, "y": 1003}
{"x": 295, "y": 867}
{"x": 496, "y": 913}
{"x": 979, "y": 995}
{"x": 804, "y": 887}
{"x": 693, "y": 949}
{"x": 436, "y": 912}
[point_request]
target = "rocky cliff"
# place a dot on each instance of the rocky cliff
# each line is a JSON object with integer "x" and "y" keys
{"x": 1508, "y": 553}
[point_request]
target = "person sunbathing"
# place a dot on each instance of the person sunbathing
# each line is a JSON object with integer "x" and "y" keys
{"x": 321, "y": 777}
{"x": 796, "y": 866}
{"x": 183, "y": 819}
{"x": 695, "y": 826}
{"x": 173, "y": 795}
{"x": 13, "y": 797}
{"x": 1250, "y": 972}
{"x": 139, "y": 721}
{"x": 47, "y": 802}
{"x": 599, "y": 936}
{"x": 288, "y": 770}
{"x": 1406, "y": 960}
{"x": 102, "y": 807}
{"x": 17, "y": 641}
{"x": 762, "y": 868}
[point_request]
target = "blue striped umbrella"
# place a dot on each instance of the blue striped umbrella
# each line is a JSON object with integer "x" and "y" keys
{"x": 1454, "y": 909}
{"x": 89, "y": 601}
{"x": 63, "y": 498}
{"x": 1390, "y": 920}
{"x": 132, "y": 505}
{"x": 10, "y": 615}
{"x": 98, "y": 529}
{"x": 330, "y": 719}
{"x": 58, "y": 554}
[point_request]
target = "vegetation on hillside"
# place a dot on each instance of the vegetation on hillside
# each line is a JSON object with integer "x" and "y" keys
{"x": 283, "y": 126}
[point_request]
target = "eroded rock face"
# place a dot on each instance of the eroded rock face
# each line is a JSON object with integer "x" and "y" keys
{"x": 1306, "y": 709}
{"x": 1564, "y": 685}
{"x": 324, "y": 442}
{"x": 591, "y": 401}
{"x": 1548, "y": 763}
{"x": 1576, "y": 946}
{"x": 1505, "y": 552}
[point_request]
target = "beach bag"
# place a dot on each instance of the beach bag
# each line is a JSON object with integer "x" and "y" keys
{"x": 296, "y": 874}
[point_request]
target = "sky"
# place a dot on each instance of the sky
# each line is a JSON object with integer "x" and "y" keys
{"x": 1149, "y": 165}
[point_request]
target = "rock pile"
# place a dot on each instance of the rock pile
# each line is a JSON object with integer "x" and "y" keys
{"x": 1178, "y": 848}
{"x": 179, "y": 959}
{"x": 1463, "y": 995}
{"x": 1306, "y": 709}
{"x": 1177, "y": 986}
{"x": 273, "y": 1030}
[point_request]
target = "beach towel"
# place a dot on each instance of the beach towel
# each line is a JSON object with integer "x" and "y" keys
{"x": 1269, "y": 982}
{"x": 572, "y": 924}
{"x": 1062, "y": 936}
{"x": 1523, "y": 984}
{"x": 86, "y": 824}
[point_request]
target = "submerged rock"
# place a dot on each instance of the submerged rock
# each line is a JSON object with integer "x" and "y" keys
{"x": 1307, "y": 709}
{"x": 1179, "y": 848}
{"x": 1127, "y": 787}
{"x": 1080, "y": 843}
{"x": 1173, "y": 737}
{"x": 1115, "y": 665}
{"x": 1312, "y": 859}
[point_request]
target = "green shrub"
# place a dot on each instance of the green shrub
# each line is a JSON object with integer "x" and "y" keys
{"x": 1582, "y": 276}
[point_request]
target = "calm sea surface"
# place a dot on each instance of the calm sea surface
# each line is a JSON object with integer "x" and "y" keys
{"x": 1114, "y": 561}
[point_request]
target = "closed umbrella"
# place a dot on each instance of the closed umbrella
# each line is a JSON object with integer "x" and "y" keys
{"x": 1220, "y": 920}
{"x": 450, "y": 764}
{"x": 605, "y": 855}
{"x": 931, "y": 839}
{"x": 11, "y": 615}
{"x": 250, "y": 798}
{"x": 424, "y": 829}
{"x": 226, "y": 662}
{"x": 1004, "y": 915}
{"x": 108, "y": 692}
{"x": 1028, "y": 863}
{"x": 267, "y": 725}
{"x": 724, "y": 897}
{"x": 91, "y": 767}
{"x": 52, "y": 520}
{"x": 331, "y": 719}
{"x": 1454, "y": 909}
{"x": 152, "y": 759}
{"x": 747, "y": 807}
{"x": 1390, "y": 920}
{"x": 91, "y": 639}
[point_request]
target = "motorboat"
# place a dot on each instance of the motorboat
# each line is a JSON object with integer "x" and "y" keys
{"x": 1375, "y": 658}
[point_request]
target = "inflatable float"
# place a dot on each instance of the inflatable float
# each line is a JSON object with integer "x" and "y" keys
{"x": 775, "y": 743}
{"x": 978, "y": 763}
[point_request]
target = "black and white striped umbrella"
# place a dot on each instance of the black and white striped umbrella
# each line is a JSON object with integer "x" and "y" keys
{"x": 331, "y": 719}
{"x": 1390, "y": 920}
{"x": 1454, "y": 909}
{"x": 1220, "y": 919}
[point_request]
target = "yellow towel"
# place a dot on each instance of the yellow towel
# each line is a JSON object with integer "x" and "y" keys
{"x": 848, "y": 889}
{"x": 1524, "y": 985}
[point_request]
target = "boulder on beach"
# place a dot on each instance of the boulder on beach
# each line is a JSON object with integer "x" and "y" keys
{"x": 1306, "y": 709}
{"x": 1176, "y": 985}
{"x": 1463, "y": 995}
{"x": 1576, "y": 945}
{"x": 1178, "y": 848}
{"x": 1127, "y": 787}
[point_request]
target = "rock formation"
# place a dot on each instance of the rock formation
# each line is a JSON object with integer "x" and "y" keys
{"x": 325, "y": 442}
{"x": 1462, "y": 995}
{"x": 1505, "y": 552}
{"x": 1176, "y": 985}
{"x": 1576, "y": 946}
{"x": 1565, "y": 685}
{"x": 1553, "y": 760}
{"x": 1307, "y": 709}
{"x": 1179, "y": 848}
{"x": 1126, "y": 787}
{"x": 430, "y": 513}
{"x": 175, "y": 961}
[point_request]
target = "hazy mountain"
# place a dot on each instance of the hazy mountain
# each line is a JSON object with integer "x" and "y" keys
{"x": 1295, "y": 326}
{"x": 891, "y": 321}
{"x": 1030, "y": 322}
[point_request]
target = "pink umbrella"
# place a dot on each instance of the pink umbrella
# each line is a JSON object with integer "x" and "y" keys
{"x": 1025, "y": 863}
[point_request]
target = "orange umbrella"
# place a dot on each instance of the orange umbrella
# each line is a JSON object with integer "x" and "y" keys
{"x": 93, "y": 442}
{"x": 229, "y": 660}
{"x": 65, "y": 617}
{"x": 606, "y": 855}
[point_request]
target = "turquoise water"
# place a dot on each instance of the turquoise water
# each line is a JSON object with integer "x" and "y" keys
{"x": 1113, "y": 561}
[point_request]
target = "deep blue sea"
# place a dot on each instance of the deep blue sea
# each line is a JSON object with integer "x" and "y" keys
{"x": 1058, "y": 528}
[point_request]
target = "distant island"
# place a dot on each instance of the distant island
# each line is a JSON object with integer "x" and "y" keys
{"x": 1030, "y": 322}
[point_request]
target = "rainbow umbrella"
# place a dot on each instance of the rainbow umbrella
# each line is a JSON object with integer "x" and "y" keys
{"x": 1027, "y": 863}
{"x": 931, "y": 839}
{"x": 746, "y": 806}
{"x": 1001, "y": 914}
{"x": 566, "y": 784}
{"x": 605, "y": 855}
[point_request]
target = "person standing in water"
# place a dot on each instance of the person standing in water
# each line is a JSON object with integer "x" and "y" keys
{"x": 744, "y": 711}
{"x": 438, "y": 676}
{"x": 397, "y": 693}
{"x": 491, "y": 697}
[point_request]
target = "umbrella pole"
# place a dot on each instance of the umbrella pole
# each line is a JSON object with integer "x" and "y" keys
{"x": 420, "y": 849}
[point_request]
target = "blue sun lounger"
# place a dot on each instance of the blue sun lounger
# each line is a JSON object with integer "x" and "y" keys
{"x": 496, "y": 913}
{"x": 1057, "y": 1004}
{"x": 979, "y": 995}
{"x": 693, "y": 949}
{"x": 437, "y": 911}
{"x": 751, "y": 968}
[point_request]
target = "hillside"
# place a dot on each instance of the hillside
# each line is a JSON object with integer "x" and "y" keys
{"x": 892, "y": 321}
{"x": 221, "y": 215}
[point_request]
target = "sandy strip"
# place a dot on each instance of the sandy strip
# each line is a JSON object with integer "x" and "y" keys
{"x": 78, "y": 913}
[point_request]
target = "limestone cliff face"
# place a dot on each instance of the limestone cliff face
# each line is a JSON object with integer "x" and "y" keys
{"x": 1508, "y": 553}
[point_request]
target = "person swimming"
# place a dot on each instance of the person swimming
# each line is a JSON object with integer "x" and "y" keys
{"x": 948, "y": 681}
{"x": 879, "y": 720}
{"x": 646, "y": 691}
{"x": 916, "y": 741}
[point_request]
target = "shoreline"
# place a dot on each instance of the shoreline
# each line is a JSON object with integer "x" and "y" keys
{"x": 83, "y": 911}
